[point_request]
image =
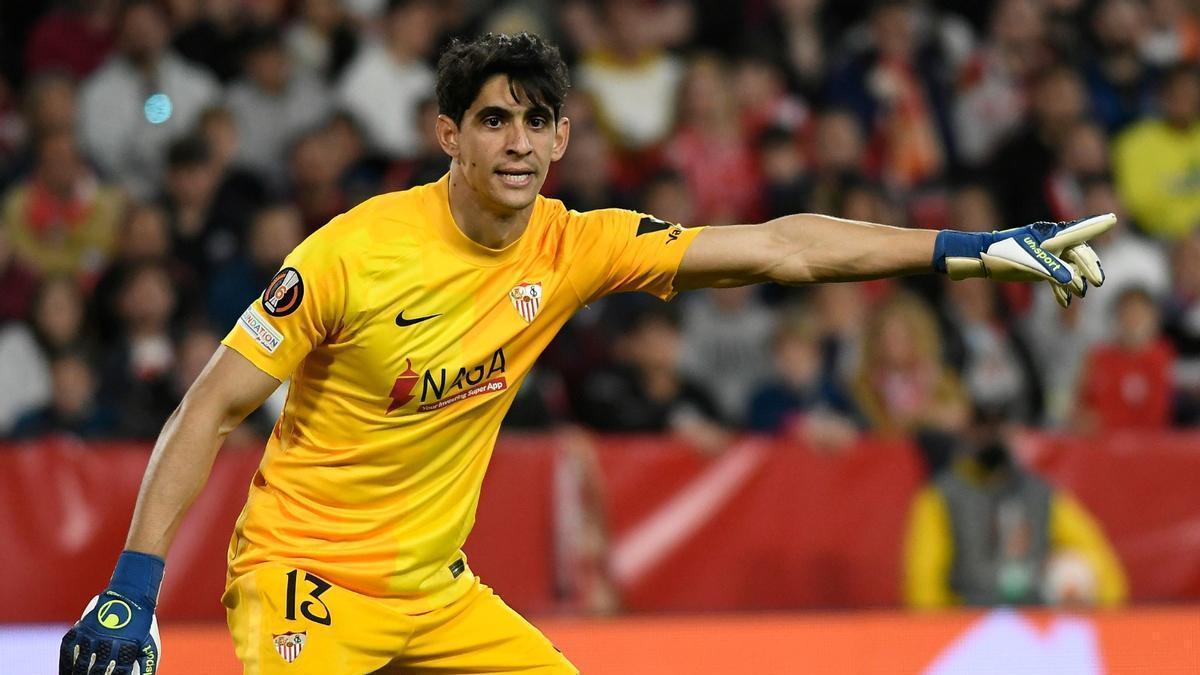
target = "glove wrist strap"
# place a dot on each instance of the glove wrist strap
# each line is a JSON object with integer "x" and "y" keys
{"x": 138, "y": 575}
{"x": 956, "y": 244}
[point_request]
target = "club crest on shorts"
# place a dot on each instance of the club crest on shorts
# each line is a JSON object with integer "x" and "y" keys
{"x": 526, "y": 299}
{"x": 290, "y": 644}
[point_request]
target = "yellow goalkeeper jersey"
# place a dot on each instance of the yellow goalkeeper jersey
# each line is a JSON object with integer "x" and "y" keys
{"x": 405, "y": 342}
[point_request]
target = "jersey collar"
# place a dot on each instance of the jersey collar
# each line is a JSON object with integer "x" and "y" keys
{"x": 466, "y": 248}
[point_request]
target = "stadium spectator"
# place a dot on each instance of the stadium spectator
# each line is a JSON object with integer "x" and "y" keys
{"x": 239, "y": 190}
{"x": 626, "y": 68}
{"x": 51, "y": 104}
{"x": 365, "y": 173}
{"x": 798, "y": 35}
{"x": 321, "y": 40}
{"x": 801, "y": 398}
{"x": 71, "y": 409}
{"x": 315, "y": 180}
{"x": 726, "y": 345}
{"x": 203, "y": 237}
{"x": 212, "y": 37}
{"x": 75, "y": 37}
{"x": 1157, "y": 161}
{"x": 987, "y": 531}
{"x": 62, "y": 220}
{"x": 274, "y": 232}
{"x": 74, "y": 409}
{"x": 19, "y": 282}
{"x": 995, "y": 366}
{"x": 710, "y": 148}
{"x": 843, "y": 310}
{"x": 1064, "y": 21}
{"x": 426, "y": 166}
{"x": 1119, "y": 80}
{"x": 271, "y": 103}
{"x": 668, "y": 196}
{"x": 785, "y": 182}
{"x": 138, "y": 366}
{"x": 897, "y": 87}
{"x": 838, "y": 156}
{"x": 24, "y": 381}
{"x": 13, "y": 131}
{"x": 1127, "y": 381}
{"x": 1021, "y": 165}
{"x": 645, "y": 391}
{"x": 992, "y": 100}
{"x": 973, "y": 208}
{"x": 386, "y": 81}
{"x": 140, "y": 100}
{"x": 1182, "y": 326}
{"x": 1058, "y": 352}
{"x": 1173, "y": 34}
{"x": 763, "y": 100}
{"x": 1082, "y": 159}
{"x": 585, "y": 174}
{"x": 58, "y": 318}
{"x": 145, "y": 237}
{"x": 902, "y": 385}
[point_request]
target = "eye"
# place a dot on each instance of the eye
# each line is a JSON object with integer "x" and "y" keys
{"x": 492, "y": 122}
{"x": 538, "y": 122}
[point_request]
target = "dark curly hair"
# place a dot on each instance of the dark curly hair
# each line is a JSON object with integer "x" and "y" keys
{"x": 531, "y": 63}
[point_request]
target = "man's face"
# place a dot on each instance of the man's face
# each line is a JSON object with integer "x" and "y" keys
{"x": 504, "y": 146}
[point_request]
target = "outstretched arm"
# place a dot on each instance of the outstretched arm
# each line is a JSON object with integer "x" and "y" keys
{"x": 811, "y": 248}
{"x": 803, "y": 249}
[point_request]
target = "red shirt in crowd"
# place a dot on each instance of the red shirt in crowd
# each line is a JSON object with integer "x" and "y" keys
{"x": 1129, "y": 389}
{"x": 68, "y": 41}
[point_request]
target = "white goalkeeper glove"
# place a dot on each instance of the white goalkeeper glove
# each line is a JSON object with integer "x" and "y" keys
{"x": 1054, "y": 252}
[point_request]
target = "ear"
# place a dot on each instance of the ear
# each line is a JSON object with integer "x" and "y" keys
{"x": 562, "y": 134}
{"x": 447, "y": 135}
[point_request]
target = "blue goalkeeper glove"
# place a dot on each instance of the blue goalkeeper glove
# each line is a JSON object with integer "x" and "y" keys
{"x": 1054, "y": 252}
{"x": 118, "y": 632}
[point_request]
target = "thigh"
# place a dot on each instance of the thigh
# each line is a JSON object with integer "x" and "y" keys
{"x": 479, "y": 634}
{"x": 284, "y": 620}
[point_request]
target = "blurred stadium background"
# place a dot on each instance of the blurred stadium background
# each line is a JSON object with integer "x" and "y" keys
{"x": 746, "y": 480}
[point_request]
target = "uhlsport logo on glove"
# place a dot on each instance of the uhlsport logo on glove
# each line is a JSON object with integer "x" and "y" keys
{"x": 114, "y": 614}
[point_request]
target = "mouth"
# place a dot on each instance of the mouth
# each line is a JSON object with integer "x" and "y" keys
{"x": 516, "y": 178}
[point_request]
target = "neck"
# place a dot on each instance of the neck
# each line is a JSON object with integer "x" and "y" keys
{"x": 482, "y": 223}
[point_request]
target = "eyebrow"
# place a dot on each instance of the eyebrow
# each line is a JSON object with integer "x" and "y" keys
{"x": 507, "y": 113}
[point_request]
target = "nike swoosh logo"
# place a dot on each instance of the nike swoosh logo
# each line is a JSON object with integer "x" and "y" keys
{"x": 401, "y": 321}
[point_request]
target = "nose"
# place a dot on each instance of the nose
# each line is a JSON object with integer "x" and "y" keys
{"x": 518, "y": 141}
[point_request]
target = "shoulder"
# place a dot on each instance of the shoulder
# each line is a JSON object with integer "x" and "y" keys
{"x": 596, "y": 219}
{"x": 379, "y": 220}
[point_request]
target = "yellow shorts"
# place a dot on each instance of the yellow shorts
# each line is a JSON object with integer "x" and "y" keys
{"x": 289, "y": 622}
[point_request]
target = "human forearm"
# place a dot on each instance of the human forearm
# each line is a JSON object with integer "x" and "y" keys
{"x": 817, "y": 248}
{"x": 178, "y": 468}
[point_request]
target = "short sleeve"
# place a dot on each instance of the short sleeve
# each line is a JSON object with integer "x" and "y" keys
{"x": 620, "y": 251}
{"x": 301, "y": 308}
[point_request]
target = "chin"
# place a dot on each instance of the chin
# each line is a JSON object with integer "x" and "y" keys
{"x": 516, "y": 200}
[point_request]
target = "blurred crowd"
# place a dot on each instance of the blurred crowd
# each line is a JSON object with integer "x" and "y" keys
{"x": 159, "y": 159}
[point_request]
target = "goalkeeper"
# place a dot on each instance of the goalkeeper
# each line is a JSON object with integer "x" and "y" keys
{"x": 406, "y": 326}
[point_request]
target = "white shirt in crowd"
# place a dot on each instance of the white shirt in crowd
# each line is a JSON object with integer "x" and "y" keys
{"x": 113, "y": 124}
{"x": 383, "y": 95}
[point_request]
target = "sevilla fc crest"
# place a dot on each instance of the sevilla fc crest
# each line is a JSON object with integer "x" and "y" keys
{"x": 289, "y": 645}
{"x": 526, "y": 299}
